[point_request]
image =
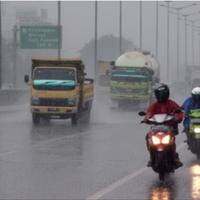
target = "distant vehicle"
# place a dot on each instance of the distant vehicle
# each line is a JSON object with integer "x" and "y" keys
{"x": 59, "y": 90}
{"x": 193, "y": 76}
{"x": 179, "y": 88}
{"x": 132, "y": 78}
{"x": 103, "y": 77}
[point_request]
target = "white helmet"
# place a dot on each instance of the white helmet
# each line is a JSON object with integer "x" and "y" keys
{"x": 196, "y": 94}
{"x": 196, "y": 90}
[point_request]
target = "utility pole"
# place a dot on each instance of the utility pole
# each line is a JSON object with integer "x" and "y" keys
{"x": 15, "y": 45}
{"x": 95, "y": 42}
{"x": 185, "y": 20}
{"x": 120, "y": 27}
{"x": 177, "y": 9}
{"x": 167, "y": 37}
{"x": 59, "y": 31}
{"x": 0, "y": 51}
{"x": 156, "y": 29}
{"x": 141, "y": 25}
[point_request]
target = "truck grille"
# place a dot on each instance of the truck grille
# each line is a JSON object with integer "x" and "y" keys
{"x": 53, "y": 102}
{"x": 129, "y": 91}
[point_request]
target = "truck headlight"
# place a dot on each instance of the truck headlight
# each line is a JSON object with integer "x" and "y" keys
{"x": 71, "y": 101}
{"x": 35, "y": 101}
{"x": 197, "y": 130}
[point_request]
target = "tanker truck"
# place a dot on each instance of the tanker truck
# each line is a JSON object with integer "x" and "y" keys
{"x": 133, "y": 75}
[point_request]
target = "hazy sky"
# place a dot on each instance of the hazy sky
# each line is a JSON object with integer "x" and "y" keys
{"x": 78, "y": 21}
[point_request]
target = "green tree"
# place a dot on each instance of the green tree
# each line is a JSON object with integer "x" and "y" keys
{"x": 107, "y": 49}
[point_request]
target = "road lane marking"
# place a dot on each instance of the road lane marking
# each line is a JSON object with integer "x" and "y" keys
{"x": 116, "y": 184}
{"x": 122, "y": 181}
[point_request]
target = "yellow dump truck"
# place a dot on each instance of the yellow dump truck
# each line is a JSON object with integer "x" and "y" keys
{"x": 103, "y": 77}
{"x": 59, "y": 90}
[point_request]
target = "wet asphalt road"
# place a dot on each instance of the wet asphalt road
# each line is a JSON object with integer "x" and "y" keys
{"x": 103, "y": 160}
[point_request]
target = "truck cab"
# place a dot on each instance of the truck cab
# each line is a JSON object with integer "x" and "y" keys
{"x": 131, "y": 81}
{"x": 59, "y": 90}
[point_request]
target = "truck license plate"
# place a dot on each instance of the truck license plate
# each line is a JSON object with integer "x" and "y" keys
{"x": 53, "y": 109}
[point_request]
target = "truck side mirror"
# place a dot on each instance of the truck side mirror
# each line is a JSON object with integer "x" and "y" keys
{"x": 26, "y": 78}
{"x": 80, "y": 79}
{"x": 112, "y": 63}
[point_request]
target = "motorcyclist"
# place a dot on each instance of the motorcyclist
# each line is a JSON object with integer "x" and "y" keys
{"x": 164, "y": 105}
{"x": 190, "y": 104}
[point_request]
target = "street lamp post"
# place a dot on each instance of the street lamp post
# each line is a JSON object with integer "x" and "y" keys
{"x": 178, "y": 9}
{"x": 0, "y": 50}
{"x": 193, "y": 21}
{"x": 59, "y": 35}
{"x": 140, "y": 24}
{"x": 198, "y": 30}
{"x": 120, "y": 28}
{"x": 167, "y": 38}
{"x": 95, "y": 42}
{"x": 186, "y": 16}
{"x": 156, "y": 29}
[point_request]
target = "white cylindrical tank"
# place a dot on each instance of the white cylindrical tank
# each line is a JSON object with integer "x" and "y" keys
{"x": 138, "y": 58}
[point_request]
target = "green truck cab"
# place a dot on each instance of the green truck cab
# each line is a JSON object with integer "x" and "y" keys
{"x": 132, "y": 79}
{"x": 59, "y": 90}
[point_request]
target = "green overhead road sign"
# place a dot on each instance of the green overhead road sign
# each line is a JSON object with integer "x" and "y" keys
{"x": 39, "y": 37}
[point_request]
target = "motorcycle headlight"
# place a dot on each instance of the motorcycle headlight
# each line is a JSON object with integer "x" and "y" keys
{"x": 35, "y": 101}
{"x": 196, "y": 130}
{"x": 166, "y": 139}
{"x": 155, "y": 140}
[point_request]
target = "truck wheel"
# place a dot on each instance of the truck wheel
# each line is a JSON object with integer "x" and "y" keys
{"x": 35, "y": 118}
{"x": 74, "y": 119}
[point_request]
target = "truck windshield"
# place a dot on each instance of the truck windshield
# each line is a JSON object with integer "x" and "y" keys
{"x": 130, "y": 74}
{"x": 104, "y": 80}
{"x": 54, "y": 79}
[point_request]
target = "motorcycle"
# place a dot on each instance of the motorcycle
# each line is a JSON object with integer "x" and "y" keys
{"x": 194, "y": 132}
{"x": 161, "y": 144}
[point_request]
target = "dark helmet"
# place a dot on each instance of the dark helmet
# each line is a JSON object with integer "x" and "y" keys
{"x": 196, "y": 95}
{"x": 162, "y": 92}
